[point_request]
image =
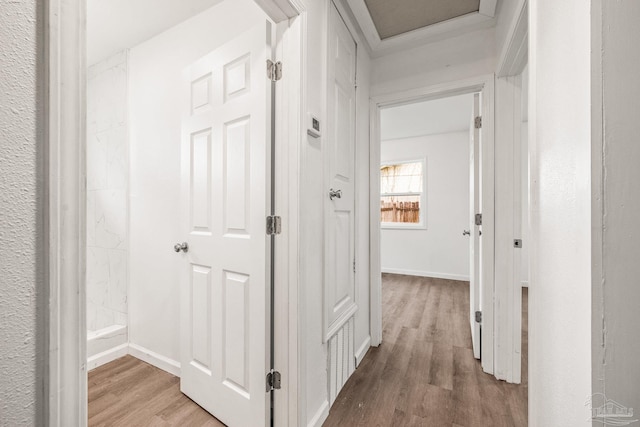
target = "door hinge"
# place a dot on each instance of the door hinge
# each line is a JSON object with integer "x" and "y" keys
{"x": 354, "y": 265}
{"x": 274, "y": 225}
{"x": 478, "y": 317}
{"x": 478, "y": 219}
{"x": 478, "y": 122}
{"x": 273, "y": 380}
{"x": 274, "y": 70}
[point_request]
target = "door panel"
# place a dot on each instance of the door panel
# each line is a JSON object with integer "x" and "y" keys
{"x": 225, "y": 330}
{"x": 340, "y": 175}
{"x": 474, "y": 242}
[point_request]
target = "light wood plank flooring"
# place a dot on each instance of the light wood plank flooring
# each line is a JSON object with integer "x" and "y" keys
{"x": 129, "y": 392}
{"x": 424, "y": 373}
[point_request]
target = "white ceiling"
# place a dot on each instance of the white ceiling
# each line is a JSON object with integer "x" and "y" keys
{"x": 114, "y": 25}
{"x": 401, "y": 16}
{"x": 437, "y": 116}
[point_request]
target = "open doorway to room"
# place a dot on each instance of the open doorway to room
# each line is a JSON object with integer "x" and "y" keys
{"x": 432, "y": 152}
{"x": 179, "y": 145}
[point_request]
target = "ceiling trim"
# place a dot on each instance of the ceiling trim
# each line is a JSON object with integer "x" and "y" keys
{"x": 485, "y": 17}
{"x": 281, "y": 10}
{"x": 515, "y": 54}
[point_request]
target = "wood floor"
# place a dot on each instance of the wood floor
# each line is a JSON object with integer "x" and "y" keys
{"x": 129, "y": 392}
{"x": 424, "y": 373}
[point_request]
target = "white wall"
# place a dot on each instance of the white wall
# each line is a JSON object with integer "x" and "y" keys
{"x": 457, "y": 58}
{"x": 441, "y": 250}
{"x": 616, "y": 292}
{"x": 107, "y": 188}
{"x": 155, "y": 110}
{"x": 22, "y": 266}
{"x": 560, "y": 153}
{"x": 135, "y": 21}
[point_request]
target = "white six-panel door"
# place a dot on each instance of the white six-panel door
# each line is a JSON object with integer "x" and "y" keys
{"x": 225, "y": 330}
{"x": 340, "y": 176}
{"x": 474, "y": 242}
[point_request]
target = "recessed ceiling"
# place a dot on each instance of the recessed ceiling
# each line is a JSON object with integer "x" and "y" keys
{"x": 445, "y": 115}
{"x": 395, "y": 17}
{"x": 115, "y": 25}
{"x": 393, "y": 25}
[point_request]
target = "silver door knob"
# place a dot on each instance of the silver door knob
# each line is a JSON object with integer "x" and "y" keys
{"x": 466, "y": 232}
{"x": 335, "y": 194}
{"x": 184, "y": 247}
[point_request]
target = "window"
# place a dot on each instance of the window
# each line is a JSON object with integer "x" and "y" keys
{"x": 402, "y": 194}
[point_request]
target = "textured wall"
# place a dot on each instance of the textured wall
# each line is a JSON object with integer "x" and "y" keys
{"x": 21, "y": 391}
{"x": 616, "y": 335}
{"x": 560, "y": 135}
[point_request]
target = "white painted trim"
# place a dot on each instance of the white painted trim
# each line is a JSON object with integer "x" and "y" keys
{"x": 524, "y": 283}
{"x": 280, "y": 10}
{"x": 485, "y": 85}
{"x": 107, "y": 356}
{"x": 515, "y": 52}
{"x": 375, "y": 260}
{"x": 488, "y": 7}
{"x": 508, "y": 295}
{"x": 321, "y": 416}
{"x": 450, "y": 28}
{"x": 106, "y": 339}
{"x": 362, "y": 350}
{"x": 297, "y": 320}
{"x": 159, "y": 361}
{"x": 65, "y": 380}
{"x": 340, "y": 321}
{"x": 421, "y": 273}
{"x": 288, "y": 131}
{"x": 66, "y": 377}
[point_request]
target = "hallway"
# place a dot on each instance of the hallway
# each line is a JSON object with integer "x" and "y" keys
{"x": 424, "y": 373}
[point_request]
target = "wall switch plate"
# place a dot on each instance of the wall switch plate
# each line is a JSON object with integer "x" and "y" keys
{"x": 313, "y": 127}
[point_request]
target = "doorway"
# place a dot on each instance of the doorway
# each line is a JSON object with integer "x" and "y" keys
{"x": 138, "y": 101}
{"x": 429, "y": 194}
{"x": 483, "y": 87}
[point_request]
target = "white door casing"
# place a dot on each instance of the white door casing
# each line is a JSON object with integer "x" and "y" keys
{"x": 339, "y": 167}
{"x": 225, "y": 312}
{"x": 474, "y": 237}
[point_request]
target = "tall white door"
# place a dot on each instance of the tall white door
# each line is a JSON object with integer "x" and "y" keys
{"x": 474, "y": 242}
{"x": 225, "y": 331}
{"x": 339, "y": 169}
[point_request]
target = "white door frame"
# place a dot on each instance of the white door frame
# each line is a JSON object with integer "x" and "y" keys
{"x": 65, "y": 201}
{"x": 484, "y": 85}
{"x": 508, "y": 290}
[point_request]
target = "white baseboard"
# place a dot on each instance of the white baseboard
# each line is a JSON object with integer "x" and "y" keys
{"x": 426, "y": 274}
{"x": 105, "y": 339}
{"x": 107, "y": 356}
{"x": 155, "y": 359}
{"x": 362, "y": 350}
{"x": 524, "y": 283}
{"x": 320, "y": 416}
